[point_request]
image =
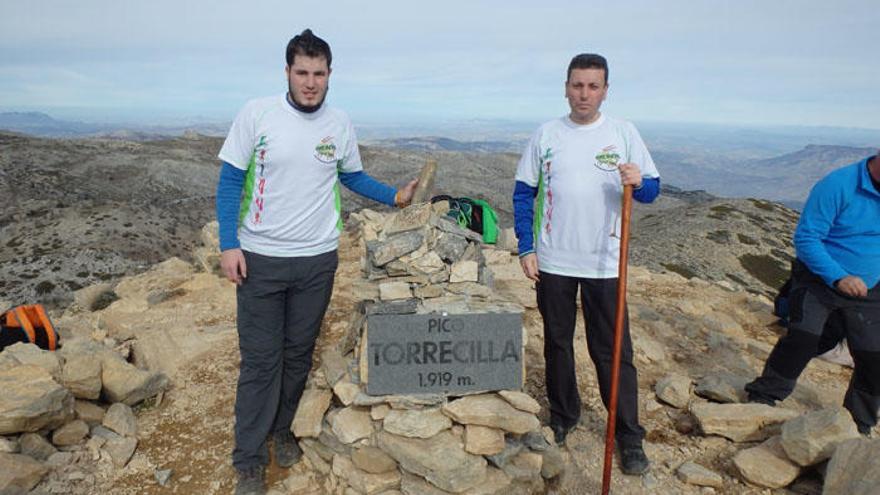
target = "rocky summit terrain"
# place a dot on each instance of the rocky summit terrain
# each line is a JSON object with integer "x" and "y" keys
{"x": 75, "y": 212}
{"x": 140, "y": 397}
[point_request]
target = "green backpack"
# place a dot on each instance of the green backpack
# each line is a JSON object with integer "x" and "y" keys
{"x": 473, "y": 214}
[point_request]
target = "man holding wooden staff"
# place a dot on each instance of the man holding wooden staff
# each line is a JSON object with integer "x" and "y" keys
{"x": 576, "y": 167}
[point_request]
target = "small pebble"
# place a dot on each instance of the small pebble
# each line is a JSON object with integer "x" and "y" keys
{"x": 163, "y": 475}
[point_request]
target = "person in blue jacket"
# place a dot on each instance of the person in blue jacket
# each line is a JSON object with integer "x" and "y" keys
{"x": 837, "y": 242}
{"x": 278, "y": 207}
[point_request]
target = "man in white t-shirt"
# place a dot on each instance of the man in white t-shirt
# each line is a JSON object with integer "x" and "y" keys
{"x": 576, "y": 167}
{"x": 278, "y": 207}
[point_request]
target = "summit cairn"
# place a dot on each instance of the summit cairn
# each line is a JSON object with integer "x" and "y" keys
{"x": 428, "y": 378}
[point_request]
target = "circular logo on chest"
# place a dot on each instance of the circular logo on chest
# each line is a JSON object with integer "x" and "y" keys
{"x": 325, "y": 151}
{"x": 608, "y": 159}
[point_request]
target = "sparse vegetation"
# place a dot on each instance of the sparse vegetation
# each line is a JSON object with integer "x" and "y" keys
{"x": 763, "y": 204}
{"x": 680, "y": 269}
{"x": 784, "y": 255}
{"x": 44, "y": 287}
{"x": 719, "y": 236}
{"x": 722, "y": 212}
{"x": 743, "y": 238}
{"x": 765, "y": 268}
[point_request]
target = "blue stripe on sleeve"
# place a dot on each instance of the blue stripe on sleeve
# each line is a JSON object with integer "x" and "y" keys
{"x": 368, "y": 187}
{"x": 523, "y": 216}
{"x": 228, "y": 204}
{"x": 649, "y": 191}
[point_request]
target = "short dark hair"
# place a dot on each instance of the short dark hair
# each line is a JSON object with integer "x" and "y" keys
{"x": 588, "y": 61}
{"x": 309, "y": 45}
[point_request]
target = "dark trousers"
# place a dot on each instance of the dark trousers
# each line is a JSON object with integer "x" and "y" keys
{"x": 280, "y": 307}
{"x": 557, "y": 303}
{"x": 812, "y": 303}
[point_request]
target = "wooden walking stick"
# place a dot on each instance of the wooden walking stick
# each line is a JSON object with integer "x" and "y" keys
{"x": 618, "y": 337}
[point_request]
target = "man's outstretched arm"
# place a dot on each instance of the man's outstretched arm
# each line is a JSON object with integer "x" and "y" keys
{"x": 362, "y": 183}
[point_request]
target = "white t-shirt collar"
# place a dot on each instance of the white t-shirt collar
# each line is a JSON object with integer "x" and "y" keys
{"x": 585, "y": 127}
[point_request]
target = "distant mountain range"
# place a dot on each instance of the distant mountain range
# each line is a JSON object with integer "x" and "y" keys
{"x": 43, "y": 125}
{"x": 775, "y": 163}
{"x": 786, "y": 178}
{"x": 432, "y": 143}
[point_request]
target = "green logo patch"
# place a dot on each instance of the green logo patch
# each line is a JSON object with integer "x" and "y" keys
{"x": 608, "y": 159}
{"x": 325, "y": 151}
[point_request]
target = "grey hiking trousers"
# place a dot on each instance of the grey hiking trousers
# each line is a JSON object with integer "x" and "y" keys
{"x": 280, "y": 307}
{"x": 812, "y": 302}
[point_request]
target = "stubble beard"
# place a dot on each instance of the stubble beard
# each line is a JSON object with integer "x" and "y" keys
{"x": 304, "y": 108}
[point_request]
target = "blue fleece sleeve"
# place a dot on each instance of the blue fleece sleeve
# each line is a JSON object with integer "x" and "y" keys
{"x": 825, "y": 201}
{"x": 649, "y": 191}
{"x": 228, "y": 204}
{"x": 368, "y": 187}
{"x": 523, "y": 216}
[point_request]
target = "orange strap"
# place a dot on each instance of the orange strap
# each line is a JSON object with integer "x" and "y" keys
{"x": 10, "y": 322}
{"x": 31, "y": 318}
{"x": 43, "y": 319}
{"x": 25, "y": 323}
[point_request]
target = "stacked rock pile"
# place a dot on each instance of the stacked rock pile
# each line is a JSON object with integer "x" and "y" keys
{"x": 419, "y": 254}
{"x": 418, "y": 261}
{"x": 54, "y": 409}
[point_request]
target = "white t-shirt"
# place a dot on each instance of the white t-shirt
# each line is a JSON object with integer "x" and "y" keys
{"x": 291, "y": 193}
{"x": 577, "y": 226}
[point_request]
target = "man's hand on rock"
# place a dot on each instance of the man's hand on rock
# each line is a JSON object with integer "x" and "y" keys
{"x": 405, "y": 194}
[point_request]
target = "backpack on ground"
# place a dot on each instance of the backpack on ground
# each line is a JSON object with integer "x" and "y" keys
{"x": 474, "y": 214}
{"x": 29, "y": 324}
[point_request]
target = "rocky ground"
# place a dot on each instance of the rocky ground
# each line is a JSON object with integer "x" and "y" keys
{"x": 84, "y": 224}
{"x": 78, "y": 212}
{"x": 693, "y": 339}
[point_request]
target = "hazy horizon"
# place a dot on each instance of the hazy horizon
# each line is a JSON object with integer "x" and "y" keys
{"x": 745, "y": 62}
{"x": 178, "y": 121}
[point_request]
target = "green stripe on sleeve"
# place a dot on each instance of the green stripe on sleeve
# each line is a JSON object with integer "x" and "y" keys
{"x": 338, "y": 203}
{"x": 248, "y": 188}
{"x": 539, "y": 208}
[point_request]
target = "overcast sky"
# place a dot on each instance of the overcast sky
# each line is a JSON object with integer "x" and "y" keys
{"x": 738, "y": 62}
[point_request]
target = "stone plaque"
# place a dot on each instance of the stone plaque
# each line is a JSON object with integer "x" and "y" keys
{"x": 435, "y": 353}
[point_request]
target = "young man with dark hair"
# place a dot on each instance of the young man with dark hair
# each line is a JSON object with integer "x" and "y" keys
{"x": 279, "y": 213}
{"x": 837, "y": 242}
{"x": 577, "y": 166}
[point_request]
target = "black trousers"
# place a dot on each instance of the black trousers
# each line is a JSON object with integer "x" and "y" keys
{"x": 812, "y": 303}
{"x": 280, "y": 307}
{"x": 558, "y": 306}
